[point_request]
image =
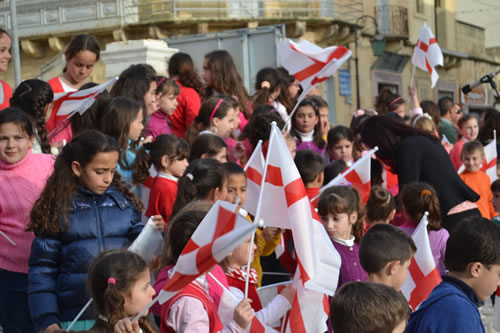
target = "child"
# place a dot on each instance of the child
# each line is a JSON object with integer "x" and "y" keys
{"x": 166, "y": 97}
{"x": 289, "y": 89}
{"x": 138, "y": 82}
{"x": 81, "y": 55}
{"x": 342, "y": 214}
{"x": 168, "y": 154}
{"x": 468, "y": 129}
{"x": 267, "y": 90}
{"x": 182, "y": 70}
{"x": 35, "y": 97}
{"x": 311, "y": 168}
{"x": 216, "y": 117}
{"x": 388, "y": 102}
{"x": 366, "y": 307}
{"x": 194, "y": 308}
{"x": 380, "y": 207}
{"x": 266, "y": 239}
{"x": 84, "y": 209}
{"x": 291, "y": 144}
{"x": 473, "y": 156}
{"x": 495, "y": 189}
{"x": 209, "y": 145}
{"x": 418, "y": 198}
{"x": 424, "y": 122}
{"x": 123, "y": 120}
{"x": 473, "y": 263}
{"x": 204, "y": 179}
{"x": 23, "y": 176}
{"x": 323, "y": 115}
{"x": 119, "y": 284}
{"x": 5, "y": 48}
{"x": 306, "y": 127}
{"x": 333, "y": 169}
{"x": 385, "y": 254}
{"x": 340, "y": 143}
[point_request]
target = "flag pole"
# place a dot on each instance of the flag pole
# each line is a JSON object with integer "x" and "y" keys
{"x": 79, "y": 315}
{"x": 412, "y": 76}
{"x": 7, "y": 238}
{"x": 257, "y": 218}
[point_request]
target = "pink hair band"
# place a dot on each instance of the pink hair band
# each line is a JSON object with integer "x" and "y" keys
{"x": 215, "y": 109}
{"x": 161, "y": 81}
{"x": 112, "y": 281}
{"x": 394, "y": 100}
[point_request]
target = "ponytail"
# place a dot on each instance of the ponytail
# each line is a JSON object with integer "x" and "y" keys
{"x": 266, "y": 83}
{"x": 418, "y": 198}
{"x": 142, "y": 165}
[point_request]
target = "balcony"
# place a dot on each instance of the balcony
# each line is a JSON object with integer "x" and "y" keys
{"x": 392, "y": 21}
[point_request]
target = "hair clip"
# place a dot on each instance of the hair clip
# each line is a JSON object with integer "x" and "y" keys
{"x": 345, "y": 184}
{"x": 161, "y": 81}
{"x": 394, "y": 101}
{"x": 215, "y": 109}
{"x": 190, "y": 176}
{"x": 265, "y": 84}
{"x": 425, "y": 192}
{"x": 112, "y": 281}
{"x": 423, "y": 115}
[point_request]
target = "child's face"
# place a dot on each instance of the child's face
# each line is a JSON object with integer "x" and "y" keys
{"x": 98, "y": 174}
{"x": 470, "y": 129}
{"x": 236, "y": 187}
{"x": 339, "y": 225}
{"x": 224, "y": 126}
{"x": 399, "y": 274}
{"x": 136, "y": 127}
{"x": 81, "y": 65}
{"x": 177, "y": 167}
{"x": 486, "y": 281}
{"x": 139, "y": 296}
{"x": 239, "y": 256}
{"x": 167, "y": 103}
{"x": 496, "y": 201}
{"x": 237, "y": 119}
{"x": 221, "y": 156}
{"x": 472, "y": 161}
{"x": 14, "y": 143}
{"x": 5, "y": 44}
{"x": 150, "y": 102}
{"x": 293, "y": 89}
{"x": 206, "y": 74}
{"x": 306, "y": 119}
{"x": 342, "y": 150}
{"x": 292, "y": 146}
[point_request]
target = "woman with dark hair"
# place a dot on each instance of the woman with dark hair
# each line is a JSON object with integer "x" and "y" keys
{"x": 418, "y": 156}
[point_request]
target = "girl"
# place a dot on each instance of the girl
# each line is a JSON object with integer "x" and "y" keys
{"x": 194, "y": 308}
{"x": 166, "y": 96}
{"x": 84, "y": 209}
{"x": 289, "y": 89}
{"x": 380, "y": 207}
{"x": 181, "y": 69}
{"x": 169, "y": 155}
{"x": 306, "y": 127}
{"x": 138, "y": 82}
{"x": 216, "y": 117}
{"x": 35, "y": 97}
{"x": 204, "y": 179}
{"x": 222, "y": 77}
{"x": 259, "y": 128}
{"x": 387, "y": 101}
{"x": 468, "y": 128}
{"x": 120, "y": 286}
{"x": 340, "y": 144}
{"x": 78, "y": 123}
{"x": 418, "y": 198}
{"x": 342, "y": 213}
{"x": 267, "y": 90}
{"x": 5, "y": 89}
{"x": 124, "y": 122}
{"x": 81, "y": 55}
{"x": 23, "y": 176}
{"x": 209, "y": 145}
{"x": 424, "y": 122}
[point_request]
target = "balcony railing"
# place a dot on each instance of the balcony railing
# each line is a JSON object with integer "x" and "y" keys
{"x": 392, "y": 21}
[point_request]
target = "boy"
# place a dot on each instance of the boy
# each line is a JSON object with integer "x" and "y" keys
{"x": 267, "y": 239}
{"x": 473, "y": 261}
{"x": 495, "y": 190}
{"x": 360, "y": 307}
{"x": 385, "y": 254}
{"x": 311, "y": 167}
{"x": 472, "y": 156}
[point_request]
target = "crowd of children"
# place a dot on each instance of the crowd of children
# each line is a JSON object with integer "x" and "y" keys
{"x": 77, "y": 190}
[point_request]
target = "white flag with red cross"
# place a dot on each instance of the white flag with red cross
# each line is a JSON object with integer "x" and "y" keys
{"x": 78, "y": 101}
{"x": 254, "y": 170}
{"x": 220, "y": 232}
{"x": 427, "y": 53}
{"x": 358, "y": 174}
{"x": 309, "y": 63}
{"x": 423, "y": 275}
{"x": 489, "y": 165}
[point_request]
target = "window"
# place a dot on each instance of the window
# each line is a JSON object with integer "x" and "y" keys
{"x": 419, "y": 6}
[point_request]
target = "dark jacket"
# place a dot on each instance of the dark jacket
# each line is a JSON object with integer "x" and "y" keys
{"x": 58, "y": 263}
{"x": 451, "y": 307}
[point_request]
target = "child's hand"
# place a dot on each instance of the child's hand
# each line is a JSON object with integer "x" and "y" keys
{"x": 269, "y": 232}
{"x": 325, "y": 127}
{"x": 288, "y": 293}
{"x": 243, "y": 313}
{"x": 158, "y": 221}
{"x": 125, "y": 326}
{"x": 238, "y": 151}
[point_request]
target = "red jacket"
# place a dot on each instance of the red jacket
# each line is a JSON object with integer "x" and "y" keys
{"x": 6, "y": 93}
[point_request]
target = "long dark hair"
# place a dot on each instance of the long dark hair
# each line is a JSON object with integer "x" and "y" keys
{"x": 18, "y": 117}
{"x": 181, "y": 65}
{"x": 57, "y": 195}
{"x": 32, "y": 96}
{"x": 385, "y": 132}
{"x": 266, "y": 83}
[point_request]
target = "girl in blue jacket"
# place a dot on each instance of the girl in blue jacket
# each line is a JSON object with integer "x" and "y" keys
{"x": 83, "y": 210}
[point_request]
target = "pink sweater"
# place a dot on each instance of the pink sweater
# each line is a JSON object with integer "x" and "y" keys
{"x": 22, "y": 184}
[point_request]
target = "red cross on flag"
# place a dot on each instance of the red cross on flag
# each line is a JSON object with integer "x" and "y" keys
{"x": 220, "y": 232}
{"x": 489, "y": 166}
{"x": 423, "y": 274}
{"x": 427, "y": 53}
{"x": 309, "y": 63}
{"x": 78, "y": 101}
{"x": 254, "y": 170}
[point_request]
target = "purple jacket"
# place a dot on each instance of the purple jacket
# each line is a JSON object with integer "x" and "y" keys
{"x": 350, "y": 268}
